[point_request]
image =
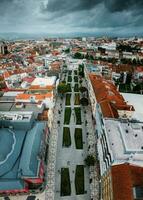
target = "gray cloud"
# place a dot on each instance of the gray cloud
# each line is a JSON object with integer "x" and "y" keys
{"x": 120, "y": 5}
{"x": 71, "y": 15}
{"x": 79, "y": 5}
{"x": 70, "y": 6}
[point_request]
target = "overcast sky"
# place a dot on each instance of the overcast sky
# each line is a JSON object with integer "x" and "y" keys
{"x": 69, "y": 16}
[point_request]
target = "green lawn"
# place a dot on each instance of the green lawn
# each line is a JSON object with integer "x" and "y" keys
{"x": 75, "y": 72}
{"x": 76, "y": 88}
{"x": 69, "y": 78}
{"x": 69, "y": 87}
{"x": 65, "y": 182}
{"x": 75, "y": 78}
{"x": 77, "y": 99}
{"x": 68, "y": 99}
{"x": 79, "y": 179}
{"x": 69, "y": 72}
{"x": 67, "y": 115}
{"x": 78, "y": 115}
{"x": 78, "y": 138}
{"x": 66, "y": 137}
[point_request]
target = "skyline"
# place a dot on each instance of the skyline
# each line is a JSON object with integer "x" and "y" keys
{"x": 104, "y": 17}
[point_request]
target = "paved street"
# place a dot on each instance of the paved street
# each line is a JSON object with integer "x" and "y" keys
{"x": 70, "y": 157}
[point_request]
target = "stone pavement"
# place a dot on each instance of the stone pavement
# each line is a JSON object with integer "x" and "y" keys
{"x": 92, "y": 149}
{"x": 52, "y": 154}
{"x": 70, "y": 157}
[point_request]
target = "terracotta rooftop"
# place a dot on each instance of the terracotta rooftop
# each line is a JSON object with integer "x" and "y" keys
{"x": 122, "y": 68}
{"x": 38, "y": 87}
{"x": 108, "y": 110}
{"x": 29, "y": 79}
{"x": 139, "y": 69}
{"x": 108, "y": 96}
{"x": 124, "y": 178}
{"x": 37, "y": 96}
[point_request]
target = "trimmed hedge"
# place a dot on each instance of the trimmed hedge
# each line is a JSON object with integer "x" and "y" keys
{"x": 69, "y": 72}
{"x": 69, "y": 78}
{"x": 75, "y": 78}
{"x": 66, "y": 137}
{"x": 77, "y": 99}
{"x": 76, "y": 88}
{"x": 79, "y": 179}
{"x": 67, "y": 115}
{"x": 69, "y": 87}
{"x": 68, "y": 99}
{"x": 65, "y": 182}
{"x": 75, "y": 72}
{"x": 78, "y": 115}
{"x": 78, "y": 138}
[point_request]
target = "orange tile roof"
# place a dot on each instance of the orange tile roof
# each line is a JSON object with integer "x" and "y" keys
{"x": 37, "y": 96}
{"x": 6, "y": 74}
{"x": 108, "y": 96}
{"x": 124, "y": 178}
{"x": 55, "y": 52}
{"x": 108, "y": 110}
{"x": 105, "y": 89}
{"x": 139, "y": 69}
{"x": 122, "y": 68}
{"x": 38, "y": 87}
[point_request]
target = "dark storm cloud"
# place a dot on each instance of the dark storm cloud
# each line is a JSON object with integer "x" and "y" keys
{"x": 79, "y": 5}
{"x": 68, "y": 5}
{"x": 97, "y": 13}
{"x": 120, "y": 5}
{"x": 72, "y": 15}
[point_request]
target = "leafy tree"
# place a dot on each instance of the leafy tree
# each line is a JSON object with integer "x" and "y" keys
{"x": 84, "y": 101}
{"x": 141, "y": 61}
{"x": 134, "y": 61}
{"x": 2, "y": 85}
{"x": 128, "y": 78}
{"x": 83, "y": 89}
{"x": 64, "y": 66}
{"x": 102, "y": 50}
{"x": 78, "y": 55}
{"x": 67, "y": 50}
{"x": 81, "y": 70}
{"x": 81, "y": 74}
{"x": 90, "y": 160}
{"x": 87, "y": 56}
{"x": 63, "y": 88}
{"x": 80, "y": 67}
{"x": 64, "y": 81}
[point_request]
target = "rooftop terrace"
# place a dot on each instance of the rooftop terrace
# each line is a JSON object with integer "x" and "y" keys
{"x": 125, "y": 140}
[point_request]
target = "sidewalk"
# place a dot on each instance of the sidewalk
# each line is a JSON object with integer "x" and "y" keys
{"x": 92, "y": 146}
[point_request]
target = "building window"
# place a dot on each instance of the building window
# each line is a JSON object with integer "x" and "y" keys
{"x": 138, "y": 192}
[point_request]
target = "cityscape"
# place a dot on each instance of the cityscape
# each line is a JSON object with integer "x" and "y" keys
{"x": 71, "y": 100}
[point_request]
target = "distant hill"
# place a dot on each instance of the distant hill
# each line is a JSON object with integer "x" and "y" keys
{"x": 27, "y": 36}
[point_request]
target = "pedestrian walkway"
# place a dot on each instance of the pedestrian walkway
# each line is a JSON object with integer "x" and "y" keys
{"x": 92, "y": 146}
{"x": 51, "y": 168}
{"x": 70, "y": 157}
{"x": 50, "y": 190}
